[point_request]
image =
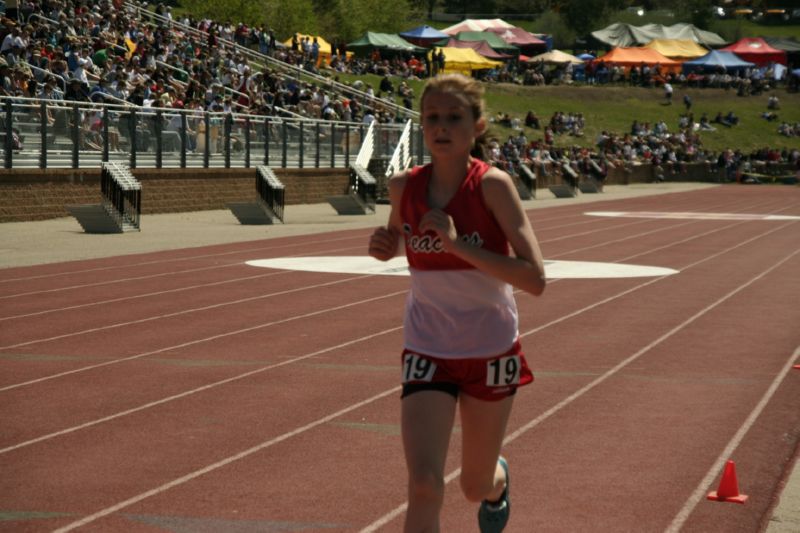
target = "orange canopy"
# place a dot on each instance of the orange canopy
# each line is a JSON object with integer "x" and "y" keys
{"x": 634, "y": 56}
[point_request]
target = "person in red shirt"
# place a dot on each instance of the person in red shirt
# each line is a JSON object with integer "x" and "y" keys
{"x": 468, "y": 243}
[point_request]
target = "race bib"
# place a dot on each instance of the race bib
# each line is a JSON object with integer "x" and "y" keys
{"x": 503, "y": 371}
{"x": 417, "y": 368}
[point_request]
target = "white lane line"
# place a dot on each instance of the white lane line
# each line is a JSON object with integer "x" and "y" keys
{"x": 190, "y": 392}
{"x": 116, "y": 300}
{"x": 157, "y": 293}
{"x": 690, "y": 215}
{"x": 180, "y": 313}
{"x": 530, "y": 332}
{"x": 657, "y": 230}
{"x": 394, "y": 513}
{"x": 228, "y": 460}
{"x": 133, "y": 266}
{"x": 199, "y": 341}
{"x": 716, "y": 467}
{"x": 150, "y": 276}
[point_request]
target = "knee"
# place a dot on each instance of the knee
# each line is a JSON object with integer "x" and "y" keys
{"x": 475, "y": 488}
{"x": 426, "y": 485}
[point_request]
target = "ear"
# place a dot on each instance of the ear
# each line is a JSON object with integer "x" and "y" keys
{"x": 480, "y": 127}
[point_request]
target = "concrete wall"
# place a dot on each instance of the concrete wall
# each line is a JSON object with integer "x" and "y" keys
{"x": 34, "y": 194}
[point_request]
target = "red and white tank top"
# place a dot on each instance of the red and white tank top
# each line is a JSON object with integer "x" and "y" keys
{"x": 454, "y": 310}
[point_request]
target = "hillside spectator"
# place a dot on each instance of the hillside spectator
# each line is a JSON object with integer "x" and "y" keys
{"x": 773, "y": 103}
{"x": 668, "y": 93}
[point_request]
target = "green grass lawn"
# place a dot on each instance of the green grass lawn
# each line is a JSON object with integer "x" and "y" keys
{"x": 614, "y": 108}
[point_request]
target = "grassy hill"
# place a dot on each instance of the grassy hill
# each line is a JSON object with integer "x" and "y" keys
{"x": 614, "y": 108}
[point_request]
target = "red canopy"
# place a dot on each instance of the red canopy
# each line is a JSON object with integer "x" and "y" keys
{"x": 482, "y": 47}
{"x": 756, "y": 50}
{"x": 525, "y": 41}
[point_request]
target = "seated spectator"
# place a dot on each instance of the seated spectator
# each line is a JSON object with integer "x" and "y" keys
{"x": 731, "y": 119}
{"x": 705, "y": 124}
{"x": 532, "y": 121}
{"x": 773, "y": 102}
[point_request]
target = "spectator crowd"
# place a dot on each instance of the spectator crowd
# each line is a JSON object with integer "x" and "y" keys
{"x": 72, "y": 50}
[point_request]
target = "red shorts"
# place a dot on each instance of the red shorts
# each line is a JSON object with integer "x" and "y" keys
{"x": 488, "y": 378}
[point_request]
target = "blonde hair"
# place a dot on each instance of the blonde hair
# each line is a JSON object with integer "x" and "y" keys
{"x": 469, "y": 90}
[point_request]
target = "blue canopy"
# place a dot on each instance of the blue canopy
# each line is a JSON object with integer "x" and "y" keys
{"x": 422, "y": 35}
{"x": 716, "y": 59}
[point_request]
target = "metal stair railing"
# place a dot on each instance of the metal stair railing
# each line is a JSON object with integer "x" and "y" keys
{"x": 271, "y": 192}
{"x": 401, "y": 158}
{"x": 362, "y": 185}
{"x": 122, "y": 195}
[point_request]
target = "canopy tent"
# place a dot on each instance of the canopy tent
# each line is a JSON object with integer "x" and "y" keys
{"x": 677, "y": 48}
{"x": 717, "y": 60}
{"x": 527, "y": 42}
{"x": 423, "y": 35}
{"x": 325, "y": 48}
{"x": 482, "y": 47}
{"x": 633, "y": 57}
{"x": 477, "y": 25}
{"x": 383, "y": 42}
{"x": 787, "y": 45}
{"x": 466, "y": 60}
{"x": 625, "y": 35}
{"x": 756, "y": 50}
{"x": 556, "y": 57}
{"x": 585, "y": 56}
{"x": 491, "y": 39}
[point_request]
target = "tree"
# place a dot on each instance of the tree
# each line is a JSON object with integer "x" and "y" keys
{"x": 349, "y": 19}
{"x": 584, "y": 16}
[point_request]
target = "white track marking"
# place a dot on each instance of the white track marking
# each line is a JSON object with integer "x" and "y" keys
{"x": 186, "y": 393}
{"x": 228, "y": 460}
{"x": 174, "y": 259}
{"x": 138, "y": 296}
{"x": 702, "y": 487}
{"x": 199, "y": 341}
{"x": 394, "y": 513}
{"x": 690, "y": 215}
{"x": 398, "y": 266}
{"x": 149, "y": 276}
{"x": 180, "y": 313}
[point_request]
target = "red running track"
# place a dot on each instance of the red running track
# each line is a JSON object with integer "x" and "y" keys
{"x": 186, "y": 391}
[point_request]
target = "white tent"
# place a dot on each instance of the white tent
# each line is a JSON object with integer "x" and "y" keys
{"x": 556, "y": 57}
{"x": 477, "y": 25}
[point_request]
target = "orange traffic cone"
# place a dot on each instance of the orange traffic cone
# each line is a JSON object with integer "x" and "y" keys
{"x": 728, "y": 490}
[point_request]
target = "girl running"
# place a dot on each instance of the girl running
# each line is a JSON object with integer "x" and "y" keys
{"x": 468, "y": 241}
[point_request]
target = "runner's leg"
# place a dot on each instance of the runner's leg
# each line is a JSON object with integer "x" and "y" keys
{"x": 483, "y": 427}
{"x": 427, "y": 422}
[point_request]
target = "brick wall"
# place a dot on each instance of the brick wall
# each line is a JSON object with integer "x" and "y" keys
{"x": 34, "y": 194}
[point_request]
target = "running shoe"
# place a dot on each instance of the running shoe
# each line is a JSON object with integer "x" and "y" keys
{"x": 493, "y": 516}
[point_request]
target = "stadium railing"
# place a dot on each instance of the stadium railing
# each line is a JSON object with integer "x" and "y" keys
{"x": 65, "y": 134}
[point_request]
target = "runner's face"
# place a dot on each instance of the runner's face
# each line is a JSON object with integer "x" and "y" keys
{"x": 448, "y": 124}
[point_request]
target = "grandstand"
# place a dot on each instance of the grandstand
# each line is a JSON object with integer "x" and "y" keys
{"x": 117, "y": 84}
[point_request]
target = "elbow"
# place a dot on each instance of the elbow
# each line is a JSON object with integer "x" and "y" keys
{"x": 537, "y": 286}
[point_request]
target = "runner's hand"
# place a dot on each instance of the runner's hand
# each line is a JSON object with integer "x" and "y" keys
{"x": 383, "y": 243}
{"x": 441, "y": 224}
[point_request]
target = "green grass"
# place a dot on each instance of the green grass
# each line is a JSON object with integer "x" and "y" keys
{"x": 614, "y": 108}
